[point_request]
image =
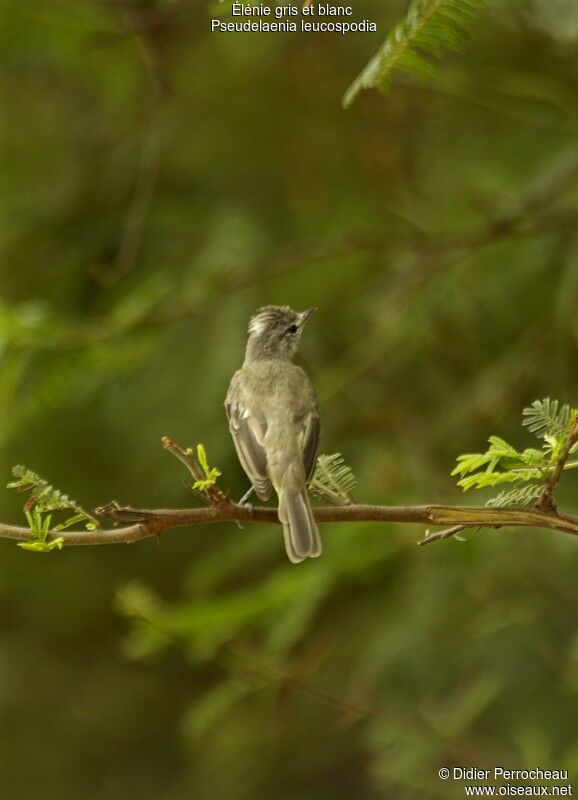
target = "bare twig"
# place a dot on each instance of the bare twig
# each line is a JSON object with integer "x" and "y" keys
{"x": 186, "y": 457}
{"x": 546, "y": 500}
{"x": 447, "y": 533}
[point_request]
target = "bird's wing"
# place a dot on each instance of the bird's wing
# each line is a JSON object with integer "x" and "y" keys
{"x": 310, "y": 441}
{"x": 248, "y": 431}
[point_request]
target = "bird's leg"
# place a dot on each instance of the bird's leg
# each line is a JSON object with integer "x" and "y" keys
{"x": 243, "y": 501}
{"x": 246, "y": 496}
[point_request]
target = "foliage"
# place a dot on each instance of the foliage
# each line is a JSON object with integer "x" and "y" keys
{"x": 429, "y": 28}
{"x": 211, "y": 473}
{"x": 549, "y": 420}
{"x": 333, "y": 479}
{"x": 43, "y": 499}
{"x": 40, "y": 527}
{"x": 503, "y": 463}
{"x": 521, "y": 497}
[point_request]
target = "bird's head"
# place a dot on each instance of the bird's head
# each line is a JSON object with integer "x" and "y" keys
{"x": 274, "y": 332}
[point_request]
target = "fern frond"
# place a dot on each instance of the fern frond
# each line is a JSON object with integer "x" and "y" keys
{"x": 45, "y": 498}
{"x": 522, "y": 497}
{"x": 547, "y": 418}
{"x": 429, "y": 28}
{"x": 333, "y": 479}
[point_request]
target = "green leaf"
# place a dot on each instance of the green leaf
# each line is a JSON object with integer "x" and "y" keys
{"x": 481, "y": 480}
{"x": 42, "y": 547}
{"x": 39, "y": 525}
{"x": 429, "y": 28}
{"x": 502, "y": 448}
{"x": 333, "y": 479}
{"x": 44, "y": 497}
{"x": 547, "y": 418}
{"x": 502, "y": 463}
{"x": 211, "y": 474}
{"x": 213, "y": 706}
{"x": 535, "y": 458}
{"x": 524, "y": 496}
{"x": 470, "y": 462}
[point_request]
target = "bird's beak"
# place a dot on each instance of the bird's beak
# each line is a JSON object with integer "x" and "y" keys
{"x": 304, "y": 315}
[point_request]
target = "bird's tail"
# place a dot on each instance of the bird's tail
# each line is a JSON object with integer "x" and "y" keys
{"x": 299, "y": 527}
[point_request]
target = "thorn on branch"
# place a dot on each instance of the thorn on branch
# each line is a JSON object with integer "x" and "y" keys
{"x": 447, "y": 533}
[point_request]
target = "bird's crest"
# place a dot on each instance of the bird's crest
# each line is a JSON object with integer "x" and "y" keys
{"x": 268, "y": 317}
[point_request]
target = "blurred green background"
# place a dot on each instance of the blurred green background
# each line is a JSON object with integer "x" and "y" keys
{"x": 159, "y": 183}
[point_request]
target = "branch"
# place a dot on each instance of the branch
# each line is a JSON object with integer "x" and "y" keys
{"x": 546, "y": 500}
{"x": 147, "y": 522}
{"x": 152, "y": 522}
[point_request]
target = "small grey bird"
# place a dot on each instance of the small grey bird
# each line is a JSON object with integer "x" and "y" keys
{"x": 274, "y": 420}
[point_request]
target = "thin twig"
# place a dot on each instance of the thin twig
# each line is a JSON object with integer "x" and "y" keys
{"x": 186, "y": 457}
{"x": 447, "y": 533}
{"x": 213, "y": 494}
{"x": 546, "y": 500}
{"x": 146, "y": 179}
{"x": 142, "y": 198}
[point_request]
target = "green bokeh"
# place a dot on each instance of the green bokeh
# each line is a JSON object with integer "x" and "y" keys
{"x": 159, "y": 183}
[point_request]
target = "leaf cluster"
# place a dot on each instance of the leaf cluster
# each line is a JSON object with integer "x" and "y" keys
{"x": 333, "y": 479}
{"x": 502, "y": 463}
{"x": 429, "y": 28}
{"x": 40, "y": 527}
{"x": 42, "y": 501}
{"x": 211, "y": 473}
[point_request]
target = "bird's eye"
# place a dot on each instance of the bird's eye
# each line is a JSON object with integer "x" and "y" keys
{"x": 292, "y": 329}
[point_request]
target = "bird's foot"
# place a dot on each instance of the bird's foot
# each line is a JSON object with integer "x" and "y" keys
{"x": 249, "y": 507}
{"x": 243, "y": 502}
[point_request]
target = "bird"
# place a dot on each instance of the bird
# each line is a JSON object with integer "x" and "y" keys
{"x": 273, "y": 418}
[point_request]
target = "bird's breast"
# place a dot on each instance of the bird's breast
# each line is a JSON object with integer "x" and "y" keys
{"x": 279, "y": 387}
